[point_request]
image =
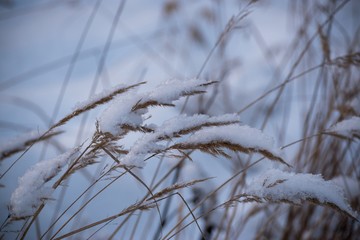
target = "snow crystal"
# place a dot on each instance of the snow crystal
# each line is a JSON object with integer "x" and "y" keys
{"x": 276, "y": 185}
{"x": 347, "y": 127}
{"x": 32, "y": 191}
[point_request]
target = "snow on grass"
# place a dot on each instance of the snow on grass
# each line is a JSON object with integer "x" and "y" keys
{"x": 95, "y": 101}
{"x": 277, "y": 186}
{"x": 19, "y": 143}
{"x": 350, "y": 184}
{"x": 120, "y": 113}
{"x": 174, "y": 127}
{"x": 32, "y": 190}
{"x": 98, "y": 97}
{"x": 348, "y": 128}
{"x": 215, "y": 132}
{"x": 243, "y": 135}
{"x": 184, "y": 122}
{"x": 238, "y": 138}
{"x": 128, "y": 110}
{"x": 172, "y": 90}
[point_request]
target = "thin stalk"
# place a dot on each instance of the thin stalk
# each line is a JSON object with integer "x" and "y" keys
{"x": 137, "y": 178}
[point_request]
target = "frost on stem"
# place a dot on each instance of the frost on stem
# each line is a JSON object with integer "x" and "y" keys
{"x": 277, "y": 186}
{"x": 32, "y": 191}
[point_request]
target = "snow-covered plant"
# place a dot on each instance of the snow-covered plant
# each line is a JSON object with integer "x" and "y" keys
{"x": 175, "y": 138}
{"x": 277, "y": 186}
{"x": 20, "y": 143}
{"x": 260, "y": 144}
{"x": 33, "y": 190}
{"x": 349, "y": 128}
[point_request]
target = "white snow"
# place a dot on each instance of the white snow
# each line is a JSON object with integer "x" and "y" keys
{"x": 32, "y": 190}
{"x": 148, "y": 143}
{"x": 348, "y": 127}
{"x": 172, "y": 90}
{"x": 120, "y": 111}
{"x": 184, "y": 122}
{"x": 19, "y": 142}
{"x": 242, "y": 135}
{"x": 350, "y": 184}
{"x": 96, "y": 97}
{"x": 275, "y": 185}
{"x": 234, "y": 133}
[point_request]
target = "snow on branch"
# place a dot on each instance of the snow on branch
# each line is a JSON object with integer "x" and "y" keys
{"x": 32, "y": 191}
{"x": 277, "y": 186}
{"x": 347, "y": 128}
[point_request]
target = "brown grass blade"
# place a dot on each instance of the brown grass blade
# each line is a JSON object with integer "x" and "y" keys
{"x": 259, "y": 199}
{"x": 216, "y": 148}
{"x": 93, "y": 105}
{"x": 176, "y": 187}
{"x": 11, "y": 151}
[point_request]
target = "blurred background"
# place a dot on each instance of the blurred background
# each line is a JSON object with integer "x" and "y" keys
{"x": 56, "y": 53}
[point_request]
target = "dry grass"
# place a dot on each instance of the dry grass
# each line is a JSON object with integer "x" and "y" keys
{"x": 25, "y": 144}
{"x": 314, "y": 84}
{"x": 92, "y": 105}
